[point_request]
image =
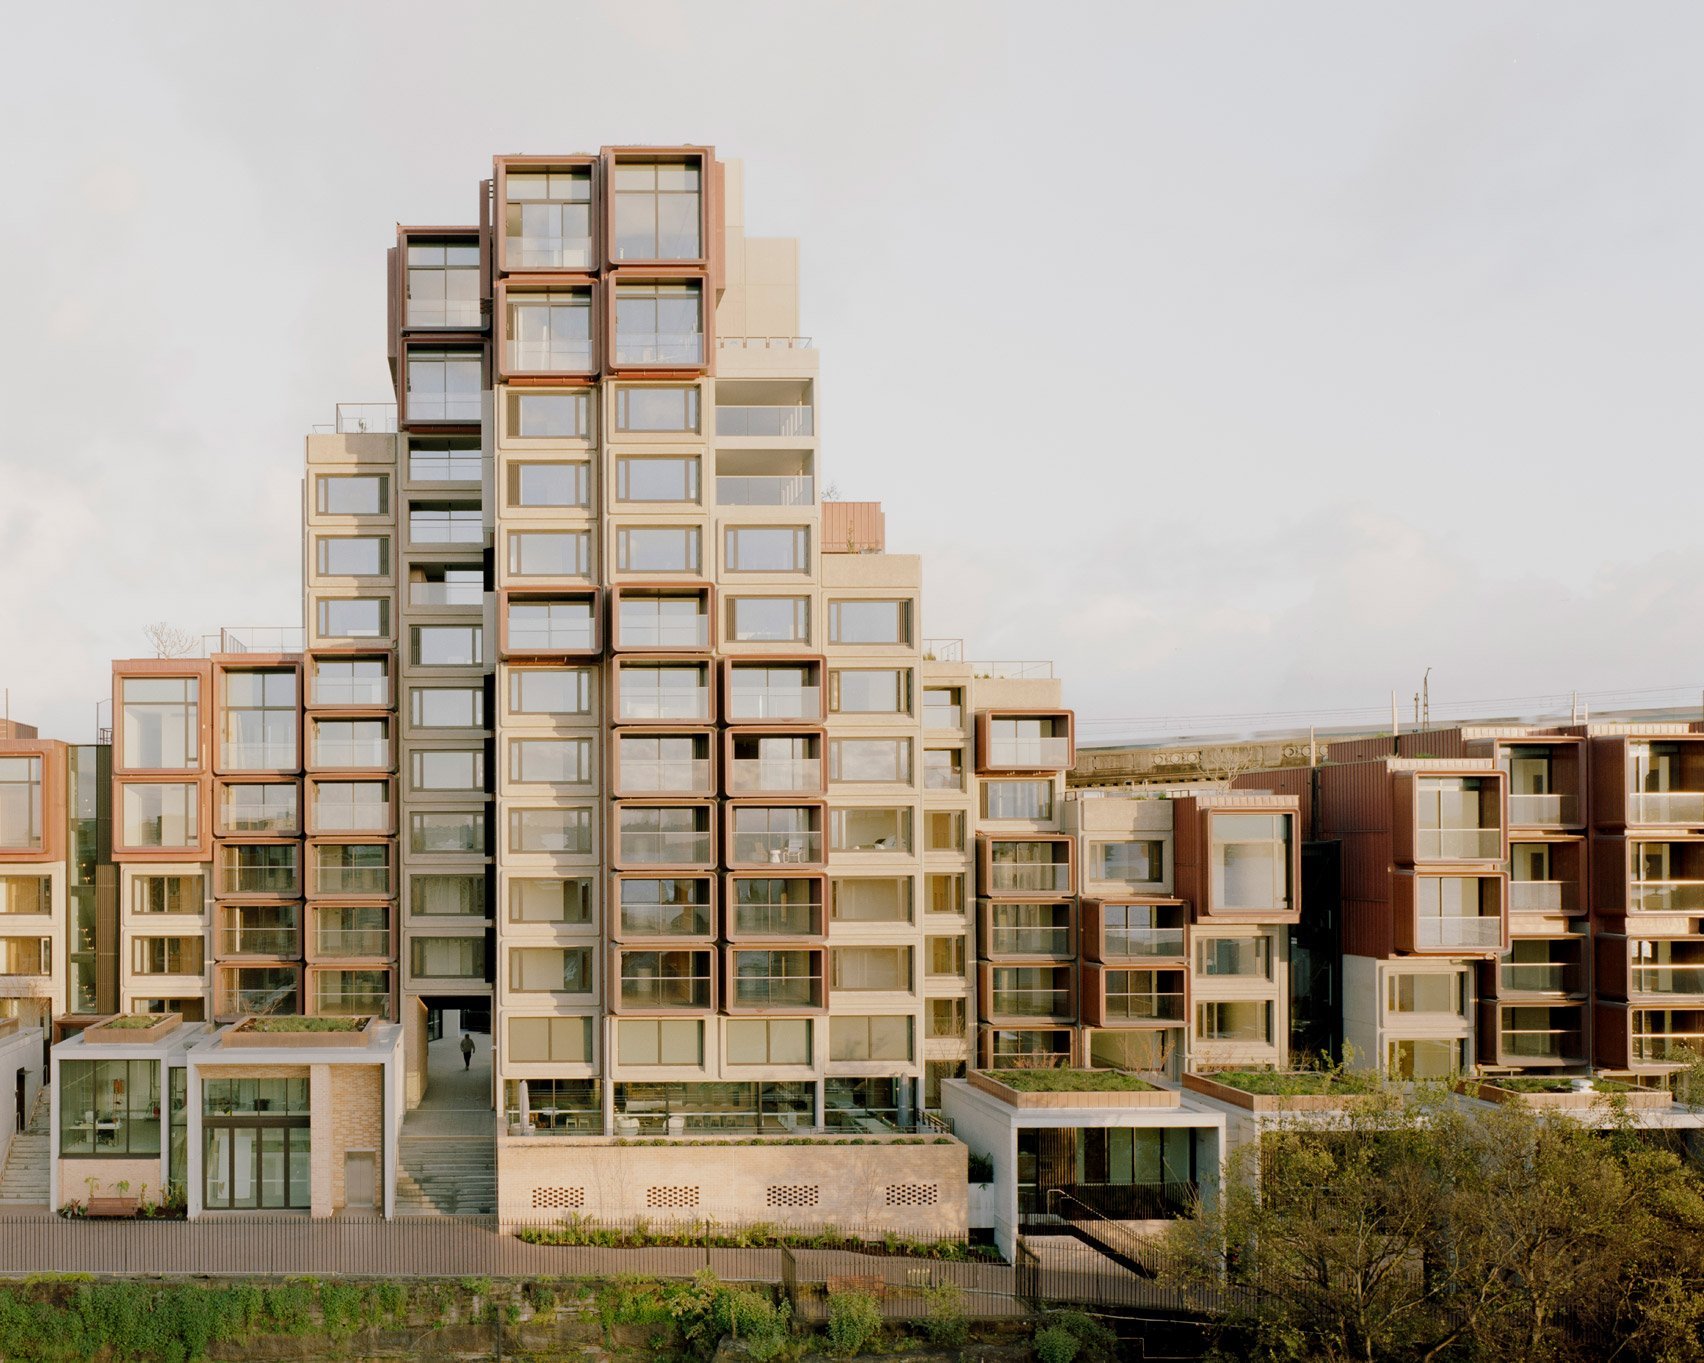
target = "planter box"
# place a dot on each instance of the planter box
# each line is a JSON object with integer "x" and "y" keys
{"x": 1575, "y": 1099}
{"x": 243, "y": 1034}
{"x": 8, "y": 1026}
{"x": 111, "y": 1207}
{"x": 983, "y": 1206}
{"x": 1272, "y": 1102}
{"x": 1073, "y": 1098}
{"x": 103, "y": 1034}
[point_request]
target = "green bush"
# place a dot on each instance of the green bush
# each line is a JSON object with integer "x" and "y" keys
{"x": 1095, "y": 1343}
{"x": 1055, "y": 1344}
{"x": 854, "y": 1319}
{"x": 946, "y": 1325}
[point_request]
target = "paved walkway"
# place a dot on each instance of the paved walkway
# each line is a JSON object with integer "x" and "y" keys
{"x": 458, "y": 1100}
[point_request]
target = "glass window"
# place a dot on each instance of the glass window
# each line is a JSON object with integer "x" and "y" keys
{"x": 352, "y": 494}
{"x": 446, "y": 645}
{"x": 262, "y": 868}
{"x": 166, "y": 955}
{"x": 943, "y": 893}
{"x": 255, "y": 808}
{"x": 550, "y": 691}
{"x": 445, "y": 460}
{"x": 552, "y": 624}
{"x": 658, "y": 548}
{"x": 447, "y": 707}
{"x": 445, "y": 523}
{"x": 660, "y": 1041}
{"x": 656, "y": 478}
{"x": 168, "y": 894}
{"x": 944, "y": 956}
{"x": 870, "y": 830}
{"x": 854, "y": 1036}
{"x": 259, "y": 721}
{"x": 354, "y": 681}
{"x": 566, "y": 1041}
{"x": 769, "y": 619}
{"x": 550, "y": 970}
{"x": 873, "y": 968}
{"x": 354, "y": 617}
{"x": 1413, "y": 992}
{"x": 448, "y": 769}
{"x": 20, "y": 803}
{"x": 659, "y": 322}
{"x": 657, "y": 210}
{"x": 869, "y": 622}
{"x": 455, "y": 830}
{"x": 943, "y": 830}
{"x": 352, "y": 868}
{"x": 870, "y": 691}
{"x": 769, "y": 1041}
{"x": 444, "y": 385}
{"x": 459, "y": 958}
{"x": 537, "y": 484}
{"x": 161, "y": 723}
{"x": 881, "y": 760}
{"x": 353, "y": 555}
{"x": 447, "y": 896}
{"x": 549, "y": 553}
{"x": 547, "y": 219}
{"x": 765, "y": 549}
{"x": 673, "y": 408}
{"x": 1251, "y": 861}
{"x": 945, "y": 1018}
{"x": 1437, "y": 1058}
{"x": 351, "y": 742}
{"x": 550, "y": 331}
{"x": 1248, "y": 1020}
{"x": 1142, "y": 862}
{"x": 109, "y": 1109}
{"x": 870, "y": 899}
{"x": 443, "y": 283}
{"x": 943, "y": 768}
{"x": 563, "y": 761}
{"x": 549, "y": 416}
{"x": 1032, "y": 800}
{"x": 161, "y": 815}
{"x": 550, "y": 900}
{"x": 1248, "y": 957}
{"x": 551, "y": 830}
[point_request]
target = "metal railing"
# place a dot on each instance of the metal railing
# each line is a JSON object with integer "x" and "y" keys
{"x": 366, "y": 418}
{"x": 1467, "y": 933}
{"x": 658, "y": 347}
{"x": 765, "y": 491}
{"x": 944, "y": 650}
{"x": 1458, "y": 844}
{"x": 765, "y": 421}
{"x": 261, "y": 639}
{"x": 774, "y": 702}
{"x": 763, "y": 343}
{"x": 1008, "y": 669}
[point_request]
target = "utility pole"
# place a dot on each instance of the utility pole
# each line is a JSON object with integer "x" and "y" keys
{"x": 1426, "y": 699}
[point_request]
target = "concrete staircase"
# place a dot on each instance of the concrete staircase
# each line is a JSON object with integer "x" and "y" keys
{"x": 23, "y": 1182}
{"x": 440, "y": 1176}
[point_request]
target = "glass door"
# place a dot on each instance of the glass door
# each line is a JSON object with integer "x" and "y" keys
{"x": 250, "y": 1165}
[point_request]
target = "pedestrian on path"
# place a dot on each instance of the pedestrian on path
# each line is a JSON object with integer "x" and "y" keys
{"x": 467, "y": 1050}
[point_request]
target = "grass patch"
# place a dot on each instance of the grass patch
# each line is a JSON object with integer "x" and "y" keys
{"x": 576, "y": 1231}
{"x": 1536, "y": 1084}
{"x": 1297, "y": 1083}
{"x": 295, "y": 1024}
{"x": 131, "y": 1022}
{"x": 1071, "y": 1081}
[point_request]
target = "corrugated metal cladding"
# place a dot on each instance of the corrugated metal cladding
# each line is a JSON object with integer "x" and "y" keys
{"x": 1356, "y": 808}
{"x": 853, "y": 528}
{"x": 1296, "y": 782}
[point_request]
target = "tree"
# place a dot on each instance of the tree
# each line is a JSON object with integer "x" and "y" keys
{"x": 1417, "y": 1230}
{"x": 169, "y": 641}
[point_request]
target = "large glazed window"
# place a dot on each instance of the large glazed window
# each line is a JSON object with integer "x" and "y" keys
{"x": 109, "y": 1108}
{"x": 259, "y": 720}
{"x": 1251, "y": 862}
{"x": 443, "y": 385}
{"x": 259, "y": 869}
{"x": 656, "y": 210}
{"x": 769, "y": 619}
{"x": 659, "y": 323}
{"x": 659, "y": 409}
{"x": 549, "y": 416}
{"x": 547, "y": 219}
{"x": 162, "y": 724}
{"x": 550, "y": 332}
{"x": 352, "y": 494}
{"x": 869, "y": 622}
{"x": 161, "y": 815}
{"x": 443, "y": 284}
{"x": 20, "y": 804}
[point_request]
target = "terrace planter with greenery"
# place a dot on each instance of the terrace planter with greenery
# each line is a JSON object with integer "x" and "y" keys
{"x": 296, "y": 1033}
{"x": 1072, "y": 1088}
{"x": 1285, "y": 1090}
{"x": 1534, "y": 1091}
{"x": 131, "y": 1029}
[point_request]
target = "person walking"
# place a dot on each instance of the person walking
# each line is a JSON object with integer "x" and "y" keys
{"x": 467, "y": 1050}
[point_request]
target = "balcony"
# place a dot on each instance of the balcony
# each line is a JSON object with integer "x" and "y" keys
{"x": 1458, "y": 844}
{"x": 551, "y": 355}
{"x": 1049, "y": 878}
{"x": 1030, "y": 941}
{"x": 1029, "y": 1003}
{"x": 777, "y": 849}
{"x": 1124, "y": 942}
{"x": 776, "y": 920}
{"x": 774, "y": 775}
{"x": 351, "y": 818}
{"x": 1666, "y": 979}
{"x": 658, "y": 347}
{"x": 276, "y": 755}
{"x": 352, "y": 942}
{"x": 1677, "y": 807}
{"x": 1541, "y": 896}
{"x": 1536, "y": 977}
{"x": 774, "y": 702}
{"x": 1543, "y": 811}
{"x": 1670, "y": 1048}
{"x": 471, "y": 593}
{"x": 1666, "y": 896}
{"x": 349, "y": 753}
{"x": 650, "y": 848}
{"x": 1143, "y": 1007}
{"x": 365, "y": 418}
{"x": 765, "y": 421}
{"x": 665, "y": 776}
{"x": 666, "y": 920}
{"x": 239, "y": 941}
{"x": 776, "y": 991}
{"x": 665, "y": 980}
{"x": 765, "y": 490}
{"x": 1459, "y": 934}
{"x": 545, "y": 628}
{"x": 1560, "y": 1044}
{"x": 643, "y": 698}
{"x": 352, "y": 1001}
{"x": 1016, "y": 753}
{"x": 662, "y": 632}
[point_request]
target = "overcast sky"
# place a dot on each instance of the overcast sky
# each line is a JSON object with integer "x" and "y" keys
{"x": 1239, "y": 357}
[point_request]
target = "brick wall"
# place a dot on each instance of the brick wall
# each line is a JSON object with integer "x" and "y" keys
{"x": 355, "y": 1122}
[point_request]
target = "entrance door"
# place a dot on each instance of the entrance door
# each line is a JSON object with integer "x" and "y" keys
{"x": 23, "y": 1095}
{"x": 256, "y": 1164}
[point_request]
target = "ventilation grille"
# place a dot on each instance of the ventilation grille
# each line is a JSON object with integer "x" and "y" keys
{"x": 558, "y": 1199}
{"x": 793, "y": 1195}
{"x": 671, "y": 1195}
{"x": 913, "y": 1194}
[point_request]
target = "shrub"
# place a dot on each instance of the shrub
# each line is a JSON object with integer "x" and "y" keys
{"x": 854, "y": 1319}
{"x": 945, "y": 1326}
{"x": 1055, "y": 1344}
{"x": 1095, "y": 1343}
{"x": 981, "y": 1168}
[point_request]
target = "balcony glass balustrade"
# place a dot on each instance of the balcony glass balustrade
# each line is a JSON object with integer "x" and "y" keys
{"x": 766, "y": 491}
{"x": 776, "y": 774}
{"x": 778, "y": 848}
{"x": 664, "y": 703}
{"x": 777, "y": 920}
{"x": 1029, "y": 1003}
{"x": 1543, "y": 811}
{"x": 1031, "y": 877}
{"x": 1666, "y": 896}
{"x": 1667, "y": 979}
{"x": 652, "y": 848}
{"x": 1143, "y": 942}
{"x": 1144, "y": 1006}
{"x": 774, "y": 702}
{"x": 1678, "y": 807}
{"x": 1541, "y": 1043}
{"x": 1458, "y": 844}
{"x": 1029, "y": 752}
{"x": 666, "y": 776}
{"x": 1541, "y": 896}
{"x": 1468, "y": 933}
{"x": 1030, "y": 941}
{"x": 764, "y": 421}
